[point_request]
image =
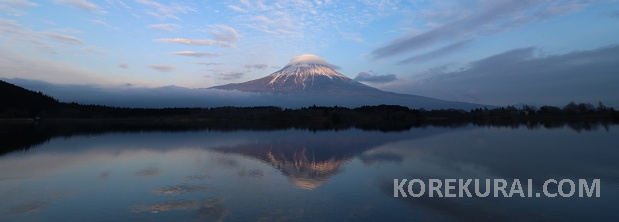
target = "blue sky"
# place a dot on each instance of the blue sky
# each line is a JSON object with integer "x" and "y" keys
{"x": 439, "y": 49}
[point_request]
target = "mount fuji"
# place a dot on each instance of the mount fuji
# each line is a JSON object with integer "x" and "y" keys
{"x": 305, "y": 75}
{"x": 309, "y": 79}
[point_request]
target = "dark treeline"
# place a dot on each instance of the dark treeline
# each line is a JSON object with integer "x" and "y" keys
{"x": 24, "y": 134}
{"x": 335, "y": 115}
{"x": 16, "y": 103}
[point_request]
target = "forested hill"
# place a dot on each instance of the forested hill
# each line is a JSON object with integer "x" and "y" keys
{"x": 16, "y": 101}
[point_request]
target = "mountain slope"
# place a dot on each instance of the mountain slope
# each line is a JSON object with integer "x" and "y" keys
{"x": 313, "y": 79}
{"x": 309, "y": 79}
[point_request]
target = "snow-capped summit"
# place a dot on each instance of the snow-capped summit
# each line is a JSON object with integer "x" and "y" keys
{"x": 307, "y": 74}
{"x": 304, "y": 74}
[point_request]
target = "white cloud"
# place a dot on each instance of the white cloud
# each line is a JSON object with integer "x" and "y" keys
{"x": 68, "y": 30}
{"x": 223, "y": 35}
{"x": 436, "y": 53}
{"x": 310, "y": 59}
{"x": 489, "y": 17}
{"x": 371, "y": 77}
{"x": 20, "y": 3}
{"x": 230, "y": 75}
{"x": 246, "y": 3}
{"x": 279, "y": 24}
{"x": 13, "y": 7}
{"x": 256, "y": 66}
{"x": 195, "y": 41}
{"x": 94, "y": 50}
{"x": 123, "y": 65}
{"x": 263, "y": 19}
{"x": 10, "y": 27}
{"x": 351, "y": 36}
{"x": 64, "y": 39}
{"x": 208, "y": 63}
{"x": 196, "y": 54}
{"x": 123, "y": 4}
{"x": 15, "y": 35}
{"x": 162, "y": 68}
{"x": 168, "y": 27}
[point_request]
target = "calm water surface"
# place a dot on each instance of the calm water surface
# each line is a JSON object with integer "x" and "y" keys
{"x": 301, "y": 175}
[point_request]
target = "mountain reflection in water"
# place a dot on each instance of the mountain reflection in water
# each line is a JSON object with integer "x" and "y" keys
{"x": 307, "y": 165}
{"x": 310, "y": 161}
{"x": 301, "y": 175}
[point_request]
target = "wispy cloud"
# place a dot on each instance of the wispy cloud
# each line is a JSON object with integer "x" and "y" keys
{"x": 123, "y": 65}
{"x": 148, "y": 172}
{"x": 196, "y": 54}
{"x": 323, "y": 22}
{"x": 10, "y": 27}
{"x": 104, "y": 24}
{"x": 436, "y": 53}
{"x": 94, "y": 50}
{"x": 223, "y": 36}
{"x": 67, "y": 30}
{"x": 121, "y": 3}
{"x": 519, "y": 75}
{"x": 494, "y": 17}
{"x": 374, "y": 78}
{"x": 225, "y": 33}
{"x": 167, "y": 27}
{"x": 230, "y": 75}
{"x": 256, "y": 66}
{"x": 15, "y": 32}
{"x": 83, "y": 5}
{"x": 208, "y": 63}
{"x": 14, "y": 6}
{"x": 64, "y": 39}
{"x": 163, "y": 11}
{"x": 162, "y": 68}
{"x": 194, "y": 41}
{"x": 21, "y": 3}
{"x": 279, "y": 24}
{"x": 236, "y": 8}
{"x": 351, "y": 36}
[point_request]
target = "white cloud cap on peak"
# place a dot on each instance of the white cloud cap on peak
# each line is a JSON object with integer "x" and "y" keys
{"x": 306, "y": 59}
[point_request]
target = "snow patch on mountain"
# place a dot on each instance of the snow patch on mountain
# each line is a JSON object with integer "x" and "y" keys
{"x": 304, "y": 74}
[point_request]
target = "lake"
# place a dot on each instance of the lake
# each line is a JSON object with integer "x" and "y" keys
{"x": 306, "y": 175}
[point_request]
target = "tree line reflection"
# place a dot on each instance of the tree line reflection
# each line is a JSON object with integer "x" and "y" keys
{"x": 25, "y": 134}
